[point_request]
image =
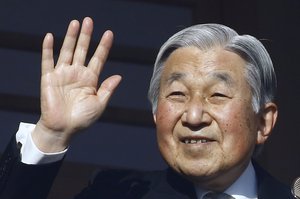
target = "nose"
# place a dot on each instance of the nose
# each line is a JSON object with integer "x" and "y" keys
{"x": 195, "y": 114}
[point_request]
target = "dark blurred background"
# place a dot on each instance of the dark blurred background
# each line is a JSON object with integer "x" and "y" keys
{"x": 125, "y": 136}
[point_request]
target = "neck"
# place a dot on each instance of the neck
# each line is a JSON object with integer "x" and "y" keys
{"x": 220, "y": 181}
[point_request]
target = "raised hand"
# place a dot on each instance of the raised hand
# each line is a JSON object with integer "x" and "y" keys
{"x": 70, "y": 97}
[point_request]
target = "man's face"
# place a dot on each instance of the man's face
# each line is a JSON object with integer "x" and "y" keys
{"x": 206, "y": 127}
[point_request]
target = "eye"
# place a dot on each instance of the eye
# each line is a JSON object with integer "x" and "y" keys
{"x": 177, "y": 93}
{"x": 218, "y": 95}
{"x": 218, "y": 98}
{"x": 178, "y": 96}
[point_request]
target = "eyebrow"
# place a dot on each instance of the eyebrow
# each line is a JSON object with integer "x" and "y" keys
{"x": 223, "y": 77}
{"x": 175, "y": 77}
{"x": 218, "y": 76}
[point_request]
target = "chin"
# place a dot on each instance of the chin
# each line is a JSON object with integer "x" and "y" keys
{"x": 195, "y": 170}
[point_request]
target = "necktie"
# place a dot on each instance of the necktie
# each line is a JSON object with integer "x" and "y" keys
{"x": 213, "y": 195}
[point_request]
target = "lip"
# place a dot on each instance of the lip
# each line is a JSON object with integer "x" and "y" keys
{"x": 195, "y": 140}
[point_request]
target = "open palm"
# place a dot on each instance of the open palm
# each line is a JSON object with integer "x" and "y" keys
{"x": 70, "y": 97}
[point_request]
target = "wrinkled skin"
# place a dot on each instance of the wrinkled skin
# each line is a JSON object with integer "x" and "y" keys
{"x": 71, "y": 98}
{"x": 206, "y": 127}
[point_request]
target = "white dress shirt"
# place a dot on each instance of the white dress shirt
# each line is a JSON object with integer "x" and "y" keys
{"x": 245, "y": 187}
{"x": 30, "y": 154}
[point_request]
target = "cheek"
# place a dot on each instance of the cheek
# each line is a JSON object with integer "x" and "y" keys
{"x": 167, "y": 116}
{"x": 238, "y": 126}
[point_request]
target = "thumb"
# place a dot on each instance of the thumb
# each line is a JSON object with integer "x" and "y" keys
{"x": 107, "y": 88}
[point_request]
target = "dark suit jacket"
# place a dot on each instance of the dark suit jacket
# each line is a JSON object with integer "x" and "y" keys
{"x": 18, "y": 180}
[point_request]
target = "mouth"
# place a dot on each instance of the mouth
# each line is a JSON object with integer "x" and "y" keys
{"x": 195, "y": 140}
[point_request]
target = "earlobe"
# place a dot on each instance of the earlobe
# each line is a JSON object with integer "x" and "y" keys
{"x": 268, "y": 117}
{"x": 154, "y": 118}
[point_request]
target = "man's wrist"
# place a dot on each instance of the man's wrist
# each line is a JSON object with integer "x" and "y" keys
{"x": 30, "y": 153}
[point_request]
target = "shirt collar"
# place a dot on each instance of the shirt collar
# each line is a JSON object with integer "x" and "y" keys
{"x": 245, "y": 187}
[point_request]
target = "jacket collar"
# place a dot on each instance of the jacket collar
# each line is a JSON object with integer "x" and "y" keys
{"x": 268, "y": 187}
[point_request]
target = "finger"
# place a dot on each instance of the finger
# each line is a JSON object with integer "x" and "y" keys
{"x": 47, "y": 54}
{"x": 97, "y": 61}
{"x": 83, "y": 42}
{"x": 107, "y": 88}
{"x": 67, "y": 49}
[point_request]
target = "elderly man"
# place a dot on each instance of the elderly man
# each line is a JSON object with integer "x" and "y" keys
{"x": 212, "y": 93}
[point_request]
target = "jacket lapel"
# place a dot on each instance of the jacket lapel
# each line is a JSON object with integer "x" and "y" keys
{"x": 268, "y": 187}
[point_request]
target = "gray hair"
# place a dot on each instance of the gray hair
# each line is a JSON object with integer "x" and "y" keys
{"x": 260, "y": 73}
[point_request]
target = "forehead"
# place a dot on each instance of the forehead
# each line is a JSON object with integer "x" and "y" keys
{"x": 215, "y": 62}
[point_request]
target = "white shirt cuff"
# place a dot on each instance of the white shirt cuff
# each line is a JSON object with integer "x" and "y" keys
{"x": 30, "y": 154}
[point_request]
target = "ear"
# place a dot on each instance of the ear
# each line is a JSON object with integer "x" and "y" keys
{"x": 268, "y": 117}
